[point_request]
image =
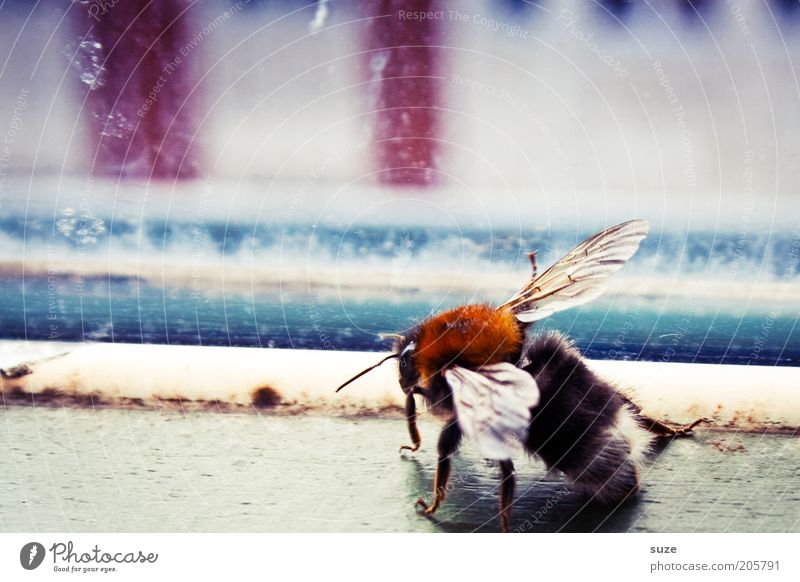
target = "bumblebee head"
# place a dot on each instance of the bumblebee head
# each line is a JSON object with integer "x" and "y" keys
{"x": 404, "y": 349}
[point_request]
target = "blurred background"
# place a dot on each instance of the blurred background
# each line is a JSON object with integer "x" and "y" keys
{"x": 310, "y": 174}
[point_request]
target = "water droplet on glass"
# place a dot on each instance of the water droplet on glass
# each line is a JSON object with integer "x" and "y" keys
{"x": 114, "y": 124}
{"x": 82, "y": 230}
{"x": 86, "y": 58}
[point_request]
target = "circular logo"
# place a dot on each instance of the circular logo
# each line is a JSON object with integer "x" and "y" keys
{"x": 31, "y": 555}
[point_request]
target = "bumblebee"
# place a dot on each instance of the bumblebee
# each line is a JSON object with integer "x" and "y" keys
{"x": 474, "y": 367}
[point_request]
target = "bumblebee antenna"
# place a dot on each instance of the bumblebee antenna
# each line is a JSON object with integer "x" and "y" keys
{"x": 362, "y": 372}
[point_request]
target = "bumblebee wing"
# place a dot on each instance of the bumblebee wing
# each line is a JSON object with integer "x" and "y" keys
{"x": 493, "y": 406}
{"x": 581, "y": 275}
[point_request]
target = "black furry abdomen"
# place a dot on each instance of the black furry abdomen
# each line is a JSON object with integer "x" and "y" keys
{"x": 576, "y": 428}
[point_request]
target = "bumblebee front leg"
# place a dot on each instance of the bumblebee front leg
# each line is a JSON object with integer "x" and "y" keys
{"x": 411, "y": 418}
{"x": 449, "y": 439}
{"x": 506, "y": 493}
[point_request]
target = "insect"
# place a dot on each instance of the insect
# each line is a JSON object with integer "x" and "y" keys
{"x": 474, "y": 367}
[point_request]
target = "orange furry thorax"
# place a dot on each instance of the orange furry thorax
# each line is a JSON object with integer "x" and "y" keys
{"x": 470, "y": 336}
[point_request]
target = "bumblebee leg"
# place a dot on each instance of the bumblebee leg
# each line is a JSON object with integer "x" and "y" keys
{"x": 449, "y": 439}
{"x": 506, "y": 493}
{"x": 411, "y": 417}
{"x": 662, "y": 429}
{"x": 532, "y": 259}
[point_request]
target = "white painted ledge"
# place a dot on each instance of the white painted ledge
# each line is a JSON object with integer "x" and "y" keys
{"x": 297, "y": 381}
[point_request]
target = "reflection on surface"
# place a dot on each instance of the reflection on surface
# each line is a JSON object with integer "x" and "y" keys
{"x": 112, "y": 470}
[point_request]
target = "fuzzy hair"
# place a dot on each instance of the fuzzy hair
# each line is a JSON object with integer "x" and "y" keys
{"x": 583, "y": 427}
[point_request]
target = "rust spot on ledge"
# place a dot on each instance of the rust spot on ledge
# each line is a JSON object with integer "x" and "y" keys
{"x": 265, "y": 397}
{"x": 53, "y": 397}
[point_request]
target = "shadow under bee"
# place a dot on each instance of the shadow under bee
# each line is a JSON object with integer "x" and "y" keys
{"x": 543, "y": 503}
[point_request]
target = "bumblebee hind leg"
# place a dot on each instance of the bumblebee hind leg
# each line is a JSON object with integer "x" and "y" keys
{"x": 449, "y": 439}
{"x": 506, "y": 493}
{"x": 662, "y": 429}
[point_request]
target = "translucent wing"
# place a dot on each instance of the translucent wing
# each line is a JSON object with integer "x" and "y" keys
{"x": 581, "y": 275}
{"x": 493, "y": 406}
